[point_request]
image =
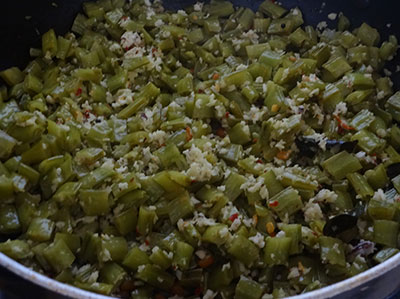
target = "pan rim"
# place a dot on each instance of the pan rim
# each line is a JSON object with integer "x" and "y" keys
{"x": 74, "y": 292}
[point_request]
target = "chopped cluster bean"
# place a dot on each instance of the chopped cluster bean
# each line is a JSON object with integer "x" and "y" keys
{"x": 214, "y": 151}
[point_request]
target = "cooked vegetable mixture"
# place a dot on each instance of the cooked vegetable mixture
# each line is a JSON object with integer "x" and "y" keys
{"x": 211, "y": 152}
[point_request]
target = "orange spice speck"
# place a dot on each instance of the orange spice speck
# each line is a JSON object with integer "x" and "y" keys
{"x": 283, "y": 155}
{"x": 206, "y": 262}
{"x": 270, "y": 229}
{"x": 275, "y": 108}
{"x": 215, "y": 76}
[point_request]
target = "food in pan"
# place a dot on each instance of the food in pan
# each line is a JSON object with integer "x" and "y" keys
{"x": 213, "y": 151}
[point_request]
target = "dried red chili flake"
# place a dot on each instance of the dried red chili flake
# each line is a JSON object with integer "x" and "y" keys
{"x": 130, "y": 47}
{"x": 189, "y": 134}
{"x": 200, "y": 91}
{"x": 193, "y": 181}
{"x": 124, "y": 18}
{"x": 221, "y": 132}
{"x": 127, "y": 285}
{"x": 78, "y": 92}
{"x": 87, "y": 113}
{"x": 198, "y": 291}
{"x": 146, "y": 242}
{"x": 153, "y": 50}
{"x": 227, "y": 114}
{"x": 255, "y": 140}
{"x": 206, "y": 262}
{"x": 233, "y": 217}
{"x": 342, "y": 126}
{"x": 274, "y": 203}
{"x": 259, "y": 161}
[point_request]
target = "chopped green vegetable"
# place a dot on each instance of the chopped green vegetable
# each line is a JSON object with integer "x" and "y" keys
{"x": 210, "y": 152}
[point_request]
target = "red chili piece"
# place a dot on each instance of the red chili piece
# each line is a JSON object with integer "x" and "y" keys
{"x": 341, "y": 125}
{"x": 78, "y": 92}
{"x": 233, "y": 217}
{"x": 275, "y": 203}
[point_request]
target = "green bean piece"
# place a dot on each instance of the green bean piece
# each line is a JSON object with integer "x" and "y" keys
{"x": 16, "y": 249}
{"x": 40, "y": 229}
{"x": 368, "y": 141}
{"x": 49, "y": 43}
{"x": 273, "y": 10}
{"x": 348, "y": 164}
{"x": 12, "y": 76}
{"x": 112, "y": 273}
{"x": 276, "y": 250}
{"x": 248, "y": 289}
{"x": 147, "y": 217}
{"x": 368, "y": 35}
{"x": 154, "y": 153}
{"x": 381, "y": 208}
{"x": 385, "y": 232}
{"x": 155, "y": 276}
{"x": 232, "y": 153}
{"x": 243, "y": 250}
{"x": 59, "y": 255}
{"x": 160, "y": 258}
{"x": 126, "y": 221}
{"x": 360, "y": 185}
{"x": 180, "y": 207}
{"x": 217, "y": 234}
{"x": 377, "y": 177}
{"x": 240, "y": 134}
{"x": 182, "y": 255}
{"x": 336, "y": 67}
{"x": 66, "y": 194}
{"x": 359, "y": 265}
{"x": 332, "y": 251}
{"x": 112, "y": 248}
{"x": 9, "y": 221}
{"x": 385, "y": 254}
{"x": 293, "y": 231}
{"x": 72, "y": 241}
{"x": 135, "y": 258}
{"x": 146, "y": 94}
{"x": 6, "y": 187}
{"x": 98, "y": 287}
{"x": 94, "y": 202}
{"x": 286, "y": 202}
